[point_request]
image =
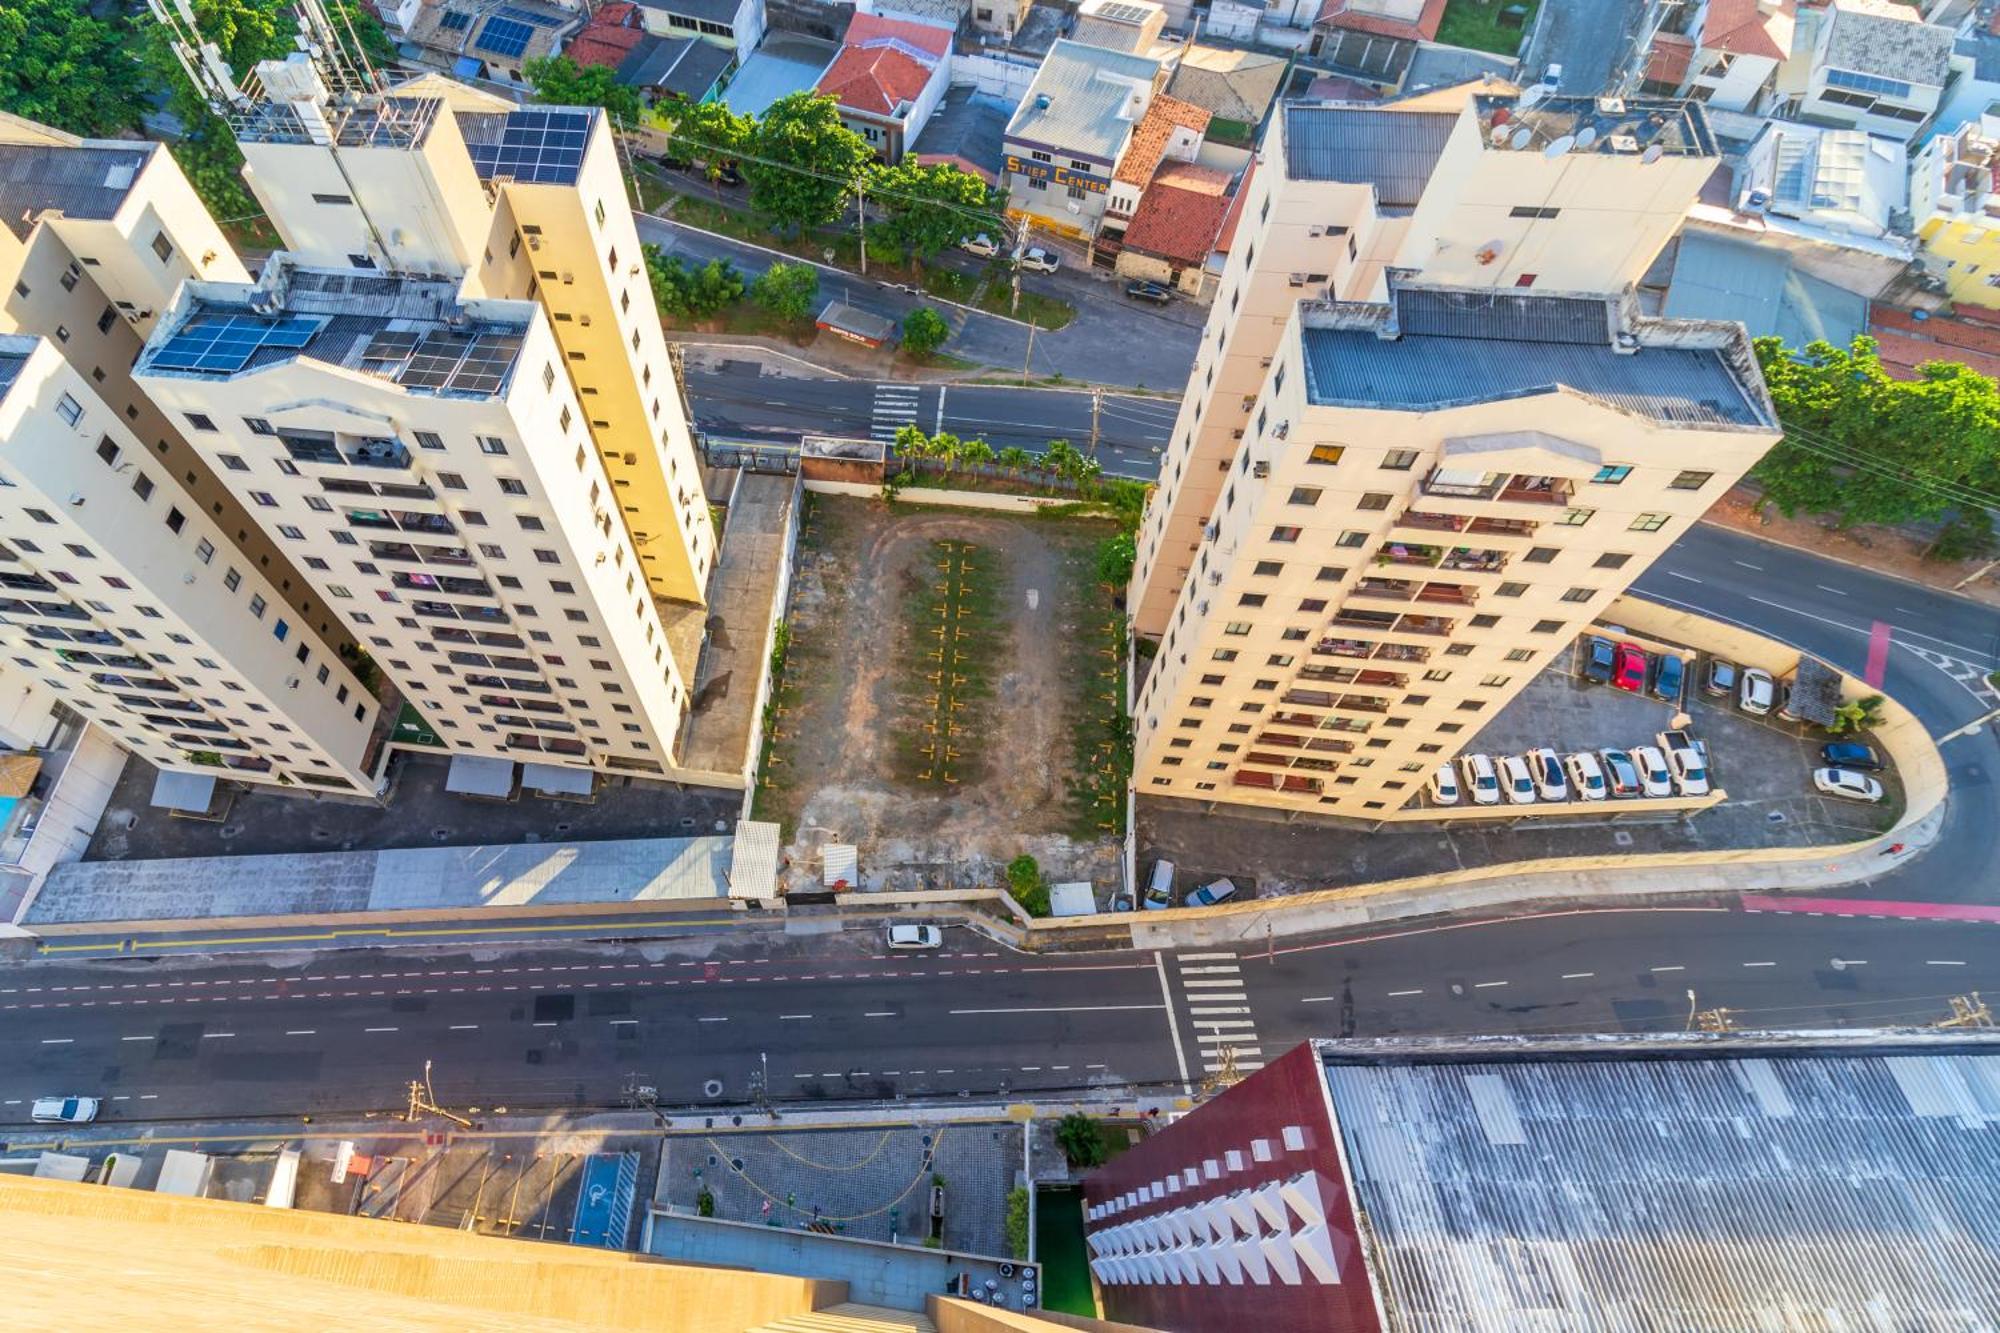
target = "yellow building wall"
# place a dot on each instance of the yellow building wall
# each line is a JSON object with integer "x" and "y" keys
{"x": 1973, "y": 255}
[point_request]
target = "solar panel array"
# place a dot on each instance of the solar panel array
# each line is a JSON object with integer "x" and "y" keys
{"x": 455, "y": 361}
{"x": 225, "y": 343}
{"x": 527, "y": 16}
{"x": 537, "y": 147}
{"x": 504, "y": 37}
{"x": 1122, "y": 13}
{"x": 454, "y": 20}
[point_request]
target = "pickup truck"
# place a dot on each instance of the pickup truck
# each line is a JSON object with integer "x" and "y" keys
{"x": 1208, "y": 895}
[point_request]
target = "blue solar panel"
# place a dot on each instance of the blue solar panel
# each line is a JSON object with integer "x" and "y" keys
{"x": 539, "y": 20}
{"x": 504, "y": 37}
{"x": 537, "y": 147}
{"x": 225, "y": 343}
{"x": 454, "y": 21}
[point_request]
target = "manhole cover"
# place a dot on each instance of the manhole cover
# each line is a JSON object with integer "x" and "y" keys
{"x": 712, "y": 1088}
{"x": 1774, "y": 817}
{"x": 736, "y": 1162}
{"x": 1622, "y": 838}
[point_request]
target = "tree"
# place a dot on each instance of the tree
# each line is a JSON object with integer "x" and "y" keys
{"x": 789, "y": 291}
{"x": 360, "y": 30}
{"x": 1115, "y": 557}
{"x": 691, "y": 293}
{"x": 60, "y": 66}
{"x": 1028, "y": 885}
{"x": 1062, "y": 458}
{"x": 924, "y": 331}
{"x": 1014, "y": 458}
{"x": 1860, "y": 715}
{"x": 244, "y": 32}
{"x": 560, "y": 81}
{"x": 803, "y": 163}
{"x": 945, "y": 447}
{"x": 931, "y": 208}
{"x": 1081, "y": 1141}
{"x": 1871, "y": 449}
{"x": 712, "y": 134}
{"x": 911, "y": 442}
{"x": 975, "y": 452}
{"x": 1016, "y": 1222}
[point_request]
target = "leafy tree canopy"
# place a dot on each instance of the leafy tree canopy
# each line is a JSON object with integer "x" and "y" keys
{"x": 695, "y": 293}
{"x": 924, "y": 331}
{"x": 931, "y": 207}
{"x": 560, "y": 81}
{"x": 60, "y": 66}
{"x": 711, "y": 132}
{"x": 245, "y": 32}
{"x": 790, "y": 291}
{"x": 803, "y": 162}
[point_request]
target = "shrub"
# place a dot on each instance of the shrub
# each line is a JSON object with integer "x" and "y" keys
{"x": 924, "y": 331}
{"x": 789, "y": 291}
{"x": 1017, "y": 1222}
{"x": 1081, "y": 1142}
{"x": 1115, "y": 556}
{"x": 1028, "y": 885}
{"x": 704, "y": 1202}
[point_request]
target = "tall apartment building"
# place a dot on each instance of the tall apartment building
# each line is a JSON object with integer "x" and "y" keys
{"x": 450, "y": 398}
{"x": 148, "y": 555}
{"x": 1426, "y": 439}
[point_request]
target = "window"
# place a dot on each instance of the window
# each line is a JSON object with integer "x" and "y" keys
{"x": 1400, "y": 460}
{"x": 512, "y": 486}
{"x": 1649, "y": 522}
{"x": 1525, "y": 280}
{"x": 1312, "y": 605}
{"x": 233, "y": 463}
{"x": 1540, "y": 555}
{"x": 162, "y": 246}
{"x": 107, "y": 451}
{"x": 1326, "y": 453}
{"x": 107, "y": 319}
{"x": 319, "y": 198}
{"x": 429, "y": 440}
{"x": 1611, "y": 560}
{"x": 290, "y": 533}
{"x": 1225, "y": 654}
{"x": 1579, "y": 594}
{"x": 1237, "y": 627}
{"x": 257, "y": 603}
{"x": 1547, "y": 626}
{"x": 1610, "y": 476}
{"x": 142, "y": 485}
{"x": 451, "y": 481}
{"x": 1330, "y": 574}
{"x": 1510, "y": 590}
{"x": 1437, "y": 675}
{"x": 1520, "y": 654}
{"x": 1268, "y": 568}
{"x": 200, "y": 421}
{"x": 280, "y": 630}
{"x": 1375, "y": 500}
{"x": 176, "y": 520}
{"x": 1251, "y": 599}
{"x": 69, "y": 410}
{"x": 1305, "y": 495}
{"x": 1285, "y": 534}
{"x": 1529, "y": 211}
{"x": 265, "y": 499}
{"x": 1575, "y": 518}
{"x": 1689, "y": 481}
{"x": 1351, "y": 538}
{"x": 232, "y": 580}
{"x": 489, "y": 445}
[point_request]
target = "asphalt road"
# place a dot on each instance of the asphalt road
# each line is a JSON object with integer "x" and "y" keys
{"x": 833, "y": 1018}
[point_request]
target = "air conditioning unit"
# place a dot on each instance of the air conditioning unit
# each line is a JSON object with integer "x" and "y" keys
{"x": 1214, "y": 578}
{"x": 1212, "y": 531}
{"x": 1201, "y": 607}
{"x": 1282, "y": 429}
{"x": 1260, "y": 469}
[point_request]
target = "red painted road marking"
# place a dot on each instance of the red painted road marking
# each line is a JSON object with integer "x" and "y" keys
{"x": 1878, "y": 655}
{"x": 1869, "y": 907}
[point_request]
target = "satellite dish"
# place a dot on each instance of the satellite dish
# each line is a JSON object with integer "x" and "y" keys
{"x": 1557, "y": 147}
{"x": 1523, "y": 137}
{"x": 1586, "y": 136}
{"x": 1499, "y": 135}
{"x": 1652, "y": 154}
{"x": 1531, "y": 96}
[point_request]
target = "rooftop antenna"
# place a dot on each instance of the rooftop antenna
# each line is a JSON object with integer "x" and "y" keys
{"x": 199, "y": 59}
{"x": 1556, "y": 147}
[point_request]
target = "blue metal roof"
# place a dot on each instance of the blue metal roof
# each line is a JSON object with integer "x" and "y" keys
{"x": 1716, "y": 277}
{"x": 1395, "y": 151}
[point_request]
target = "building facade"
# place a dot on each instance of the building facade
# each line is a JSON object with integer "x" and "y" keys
{"x": 1071, "y": 130}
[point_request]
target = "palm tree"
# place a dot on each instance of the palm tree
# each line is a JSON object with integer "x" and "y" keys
{"x": 911, "y": 442}
{"x": 975, "y": 452}
{"x": 1062, "y": 459}
{"x": 1014, "y": 458}
{"x": 946, "y": 446}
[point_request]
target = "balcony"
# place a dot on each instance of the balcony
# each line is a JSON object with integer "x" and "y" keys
{"x": 460, "y": 658}
{"x": 421, "y": 555}
{"x": 1450, "y": 593}
{"x": 453, "y": 611}
{"x": 14, "y": 606}
{"x": 197, "y": 741}
{"x": 1509, "y": 488}
{"x": 1432, "y": 625}
{"x": 1364, "y": 619}
{"x": 534, "y": 723}
{"x": 1466, "y": 560}
{"x": 1538, "y": 490}
{"x": 1503, "y": 527}
{"x": 518, "y": 740}
{"x": 115, "y": 682}
{"x": 1310, "y": 721}
{"x": 486, "y": 682}
{"x": 95, "y": 637}
{"x": 1361, "y": 703}
{"x": 443, "y": 583}
{"x": 172, "y": 705}
{"x": 325, "y": 450}
{"x": 123, "y": 661}
{"x": 1409, "y": 553}
{"x": 1402, "y": 652}
{"x": 1386, "y": 590}
{"x": 1274, "y": 782}
{"x": 483, "y": 638}
{"x": 1343, "y": 647}
{"x": 525, "y": 705}
{"x": 1417, "y": 518}
{"x": 1310, "y": 698}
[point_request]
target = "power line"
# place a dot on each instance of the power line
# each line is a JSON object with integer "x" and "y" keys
{"x": 1858, "y": 459}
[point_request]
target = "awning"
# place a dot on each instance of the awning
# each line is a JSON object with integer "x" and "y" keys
{"x": 557, "y": 780}
{"x": 476, "y": 775}
{"x": 183, "y": 791}
{"x": 840, "y": 866}
{"x": 17, "y": 773}
{"x": 1072, "y": 899}
{"x": 466, "y": 67}
{"x": 753, "y": 860}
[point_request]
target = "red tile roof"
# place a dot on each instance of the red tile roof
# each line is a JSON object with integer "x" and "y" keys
{"x": 1153, "y": 133}
{"x": 1904, "y": 342}
{"x": 1343, "y": 14}
{"x": 884, "y": 63}
{"x": 923, "y": 36}
{"x": 1181, "y": 213}
{"x": 1237, "y": 203}
{"x": 609, "y": 37}
{"x": 1668, "y": 60}
{"x": 1745, "y": 29}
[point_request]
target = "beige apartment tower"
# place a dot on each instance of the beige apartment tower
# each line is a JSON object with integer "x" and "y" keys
{"x": 1423, "y": 445}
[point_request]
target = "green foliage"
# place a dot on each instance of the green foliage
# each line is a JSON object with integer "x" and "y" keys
{"x": 1081, "y": 1141}
{"x": 560, "y": 81}
{"x": 354, "y": 22}
{"x": 1858, "y": 715}
{"x": 789, "y": 291}
{"x": 712, "y": 134}
{"x": 1071, "y": 464}
{"x": 1017, "y": 1222}
{"x": 363, "y": 666}
{"x": 1028, "y": 885}
{"x": 1908, "y": 438}
{"x": 975, "y": 452}
{"x": 933, "y": 1243}
{"x": 704, "y": 1202}
{"x": 1115, "y": 557}
{"x": 930, "y": 208}
{"x": 911, "y": 442}
{"x": 1014, "y": 458}
{"x": 62, "y": 67}
{"x": 803, "y": 163}
{"x": 924, "y": 331}
{"x": 688, "y": 293}
{"x": 1968, "y": 536}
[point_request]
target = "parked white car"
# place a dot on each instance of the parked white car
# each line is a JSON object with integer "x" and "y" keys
{"x": 1654, "y": 779}
{"x": 1848, "y": 783}
{"x": 982, "y": 245}
{"x": 1444, "y": 785}
{"x": 1518, "y": 781}
{"x": 1481, "y": 779}
{"x": 1587, "y": 776}
{"x": 1547, "y": 766}
{"x": 63, "y": 1110}
{"x": 1620, "y": 772}
{"x": 1690, "y": 774}
{"x": 1757, "y": 693}
{"x": 1160, "y": 889}
{"x": 915, "y": 937}
{"x": 1037, "y": 260}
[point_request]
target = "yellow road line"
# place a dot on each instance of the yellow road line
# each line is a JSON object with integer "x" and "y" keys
{"x": 392, "y": 932}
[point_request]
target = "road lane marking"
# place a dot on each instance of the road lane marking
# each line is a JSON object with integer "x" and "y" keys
{"x": 1398, "y": 994}
{"x": 711, "y": 1020}
{"x": 1944, "y": 962}
{"x": 1230, "y": 983}
{"x": 788, "y": 1018}
{"x": 1230, "y": 970}
{"x": 391, "y": 1029}
{"x": 1672, "y": 967}
{"x": 1747, "y": 565}
{"x": 149, "y": 1096}
{"x": 1839, "y": 592}
{"x": 211, "y": 1036}
{"x": 1578, "y": 976}
{"x": 465, "y": 1027}
{"x": 1173, "y": 1023}
{"x": 1760, "y": 965}
{"x": 302, "y": 1032}
{"x": 1222, "y": 1023}
{"x": 1203, "y": 1010}
{"x": 57, "y": 1041}
{"x": 880, "y": 1013}
{"x": 620, "y": 1022}
{"x": 1068, "y": 1009}
{"x": 1676, "y": 574}
{"x": 135, "y": 1039}
{"x": 1484, "y": 985}
{"x": 1207, "y": 957}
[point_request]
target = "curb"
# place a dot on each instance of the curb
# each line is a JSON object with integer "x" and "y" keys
{"x": 1818, "y": 554}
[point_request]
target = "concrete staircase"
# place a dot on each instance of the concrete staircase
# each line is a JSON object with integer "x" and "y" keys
{"x": 850, "y": 1318}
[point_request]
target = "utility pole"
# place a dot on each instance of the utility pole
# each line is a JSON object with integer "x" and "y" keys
{"x": 1029, "y": 359}
{"x": 424, "y": 1102}
{"x": 1096, "y": 410}
{"x": 1020, "y": 244}
{"x": 1967, "y": 1011}
{"x": 861, "y": 211}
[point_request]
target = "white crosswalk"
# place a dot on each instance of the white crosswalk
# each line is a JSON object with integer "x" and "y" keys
{"x": 1219, "y": 1010}
{"x": 896, "y": 406}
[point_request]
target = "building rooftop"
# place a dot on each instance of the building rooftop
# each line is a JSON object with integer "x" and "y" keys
{"x": 884, "y": 64}
{"x": 1084, "y": 99}
{"x": 536, "y": 145}
{"x": 1675, "y": 1183}
{"x": 967, "y": 129}
{"x": 1411, "y": 20}
{"x": 1181, "y": 213}
{"x": 1749, "y": 28}
{"x": 410, "y": 331}
{"x": 685, "y": 66}
{"x": 86, "y": 180}
{"x": 1890, "y": 41}
{"x": 715, "y": 11}
{"x": 1395, "y": 151}
{"x": 373, "y": 122}
{"x": 513, "y": 31}
{"x": 15, "y": 349}
{"x": 1434, "y": 67}
{"x": 1721, "y": 277}
{"x": 1607, "y": 125}
{"x": 1154, "y": 133}
{"x": 1235, "y": 85}
{"x": 1431, "y": 348}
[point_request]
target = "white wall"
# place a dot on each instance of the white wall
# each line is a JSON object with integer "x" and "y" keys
{"x": 994, "y": 75}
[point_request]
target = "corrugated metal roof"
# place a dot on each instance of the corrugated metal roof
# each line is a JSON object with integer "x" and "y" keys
{"x": 83, "y": 181}
{"x": 1082, "y": 100}
{"x": 1517, "y": 318}
{"x": 1716, "y": 277}
{"x": 1803, "y": 1192}
{"x": 1394, "y": 151}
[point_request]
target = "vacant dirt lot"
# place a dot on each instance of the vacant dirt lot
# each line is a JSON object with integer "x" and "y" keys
{"x": 897, "y": 615}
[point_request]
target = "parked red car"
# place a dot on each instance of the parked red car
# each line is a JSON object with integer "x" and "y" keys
{"x": 1629, "y": 671}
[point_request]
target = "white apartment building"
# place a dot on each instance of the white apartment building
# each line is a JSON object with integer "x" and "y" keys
{"x": 1870, "y": 65}
{"x": 425, "y": 460}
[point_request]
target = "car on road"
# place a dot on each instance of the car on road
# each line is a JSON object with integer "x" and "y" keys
{"x": 728, "y": 175}
{"x": 1599, "y": 655}
{"x": 982, "y": 245}
{"x": 63, "y": 1110}
{"x": 1208, "y": 895}
{"x": 1037, "y": 260}
{"x": 1690, "y": 773}
{"x": 1757, "y": 692}
{"x": 1849, "y": 754}
{"x": 915, "y": 937}
{"x": 1552, "y": 78}
{"x": 1587, "y": 775}
{"x": 1628, "y": 669}
{"x": 1481, "y": 779}
{"x": 1160, "y": 888}
{"x": 1620, "y": 773}
{"x": 1141, "y": 290}
{"x": 1654, "y": 778}
{"x": 1547, "y": 766}
{"x": 1720, "y": 679}
{"x": 1848, "y": 783}
{"x": 1518, "y": 779}
{"x": 1667, "y": 681}
{"x": 1444, "y": 785}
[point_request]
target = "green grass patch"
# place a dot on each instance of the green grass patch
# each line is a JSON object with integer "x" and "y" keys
{"x": 1239, "y": 133}
{"x": 1103, "y": 734}
{"x": 1044, "y": 312}
{"x": 1476, "y": 24}
{"x": 950, "y": 284}
{"x": 953, "y": 638}
{"x": 779, "y": 788}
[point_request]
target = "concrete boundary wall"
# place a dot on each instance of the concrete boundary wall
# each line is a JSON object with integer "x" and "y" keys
{"x": 936, "y": 495}
{"x": 781, "y": 602}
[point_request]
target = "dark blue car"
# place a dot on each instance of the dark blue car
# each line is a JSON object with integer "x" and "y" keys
{"x": 1667, "y": 680}
{"x": 1847, "y": 754}
{"x": 1597, "y": 656}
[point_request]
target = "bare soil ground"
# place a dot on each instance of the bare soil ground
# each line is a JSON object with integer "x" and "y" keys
{"x": 848, "y": 763}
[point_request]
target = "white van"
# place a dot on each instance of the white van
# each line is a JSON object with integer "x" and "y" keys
{"x": 1160, "y": 889}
